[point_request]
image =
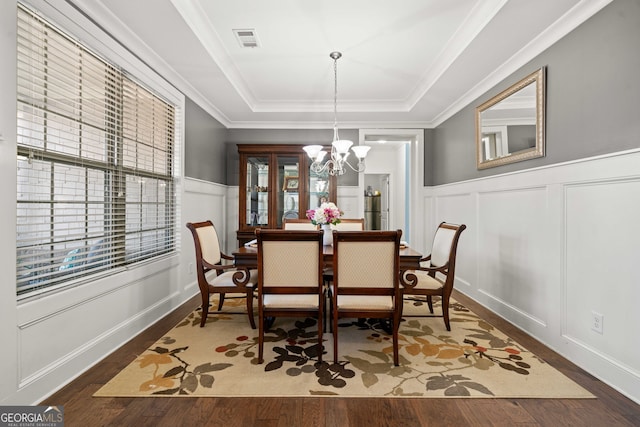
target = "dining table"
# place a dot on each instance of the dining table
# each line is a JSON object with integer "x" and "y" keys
{"x": 246, "y": 257}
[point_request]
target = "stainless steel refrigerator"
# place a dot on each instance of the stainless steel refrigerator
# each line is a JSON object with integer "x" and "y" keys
{"x": 372, "y": 213}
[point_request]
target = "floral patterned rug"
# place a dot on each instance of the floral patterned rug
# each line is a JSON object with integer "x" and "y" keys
{"x": 473, "y": 360}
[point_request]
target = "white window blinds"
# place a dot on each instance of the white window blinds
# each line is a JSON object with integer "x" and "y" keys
{"x": 95, "y": 157}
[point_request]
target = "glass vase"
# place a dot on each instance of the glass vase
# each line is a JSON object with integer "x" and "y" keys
{"x": 327, "y": 238}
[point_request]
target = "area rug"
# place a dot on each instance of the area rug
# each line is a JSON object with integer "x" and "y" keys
{"x": 473, "y": 360}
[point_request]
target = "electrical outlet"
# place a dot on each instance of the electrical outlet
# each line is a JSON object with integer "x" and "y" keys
{"x": 190, "y": 268}
{"x": 596, "y": 322}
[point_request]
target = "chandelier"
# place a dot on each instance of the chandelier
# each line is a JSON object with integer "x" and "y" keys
{"x": 339, "y": 147}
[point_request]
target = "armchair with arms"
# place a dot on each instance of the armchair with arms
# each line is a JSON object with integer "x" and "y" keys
{"x": 214, "y": 277}
{"x": 436, "y": 277}
{"x": 366, "y": 270}
{"x": 290, "y": 279}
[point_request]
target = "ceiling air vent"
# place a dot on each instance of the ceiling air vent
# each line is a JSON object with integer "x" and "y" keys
{"x": 246, "y": 38}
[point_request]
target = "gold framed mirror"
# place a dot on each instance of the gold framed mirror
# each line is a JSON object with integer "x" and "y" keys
{"x": 510, "y": 127}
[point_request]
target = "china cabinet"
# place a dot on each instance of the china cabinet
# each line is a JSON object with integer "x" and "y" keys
{"x": 275, "y": 183}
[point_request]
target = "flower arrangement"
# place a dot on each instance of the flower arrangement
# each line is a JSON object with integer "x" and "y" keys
{"x": 327, "y": 213}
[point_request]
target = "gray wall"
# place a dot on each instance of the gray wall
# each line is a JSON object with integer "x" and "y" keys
{"x": 429, "y": 144}
{"x": 204, "y": 148}
{"x": 593, "y": 100}
{"x": 593, "y": 107}
{"x": 283, "y": 136}
{"x": 521, "y": 137}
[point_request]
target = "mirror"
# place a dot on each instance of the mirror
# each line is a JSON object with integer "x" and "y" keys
{"x": 510, "y": 126}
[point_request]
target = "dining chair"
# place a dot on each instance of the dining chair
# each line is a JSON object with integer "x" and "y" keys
{"x": 349, "y": 224}
{"x": 215, "y": 277}
{"x": 289, "y": 279}
{"x": 366, "y": 280}
{"x": 298, "y": 224}
{"x": 437, "y": 274}
{"x": 345, "y": 224}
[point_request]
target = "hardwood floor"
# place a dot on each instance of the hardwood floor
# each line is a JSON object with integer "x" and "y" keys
{"x": 81, "y": 409}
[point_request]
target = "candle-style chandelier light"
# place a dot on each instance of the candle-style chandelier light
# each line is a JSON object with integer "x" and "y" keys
{"x": 339, "y": 147}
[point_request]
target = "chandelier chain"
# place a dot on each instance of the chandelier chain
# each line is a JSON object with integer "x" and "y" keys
{"x": 335, "y": 97}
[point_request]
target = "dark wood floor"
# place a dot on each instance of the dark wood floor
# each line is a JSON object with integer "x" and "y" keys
{"x": 81, "y": 409}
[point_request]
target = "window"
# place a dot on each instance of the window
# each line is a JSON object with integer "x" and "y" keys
{"x": 96, "y": 166}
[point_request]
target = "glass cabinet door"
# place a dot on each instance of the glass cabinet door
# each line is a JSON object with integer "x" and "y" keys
{"x": 319, "y": 189}
{"x": 257, "y": 192}
{"x": 289, "y": 188}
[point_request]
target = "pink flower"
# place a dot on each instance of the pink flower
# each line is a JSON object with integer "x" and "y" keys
{"x": 327, "y": 213}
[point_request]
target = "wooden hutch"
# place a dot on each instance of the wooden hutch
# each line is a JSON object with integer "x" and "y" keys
{"x": 275, "y": 183}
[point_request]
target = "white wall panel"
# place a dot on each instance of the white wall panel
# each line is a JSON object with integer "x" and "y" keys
{"x": 233, "y": 204}
{"x": 46, "y": 342}
{"x": 8, "y": 130}
{"x": 426, "y": 213}
{"x": 203, "y": 201}
{"x": 458, "y": 208}
{"x": 62, "y": 334}
{"x": 549, "y": 246}
{"x": 602, "y": 274}
{"x": 348, "y": 202}
{"x": 511, "y": 259}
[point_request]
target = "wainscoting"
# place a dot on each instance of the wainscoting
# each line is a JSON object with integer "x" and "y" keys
{"x": 547, "y": 248}
{"x": 59, "y": 336}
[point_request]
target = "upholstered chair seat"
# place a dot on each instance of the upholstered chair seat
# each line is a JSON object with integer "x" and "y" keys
{"x": 226, "y": 278}
{"x": 427, "y": 282}
{"x": 290, "y": 301}
{"x": 369, "y": 302}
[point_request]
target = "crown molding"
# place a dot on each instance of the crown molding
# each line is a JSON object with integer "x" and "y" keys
{"x": 195, "y": 17}
{"x": 563, "y": 26}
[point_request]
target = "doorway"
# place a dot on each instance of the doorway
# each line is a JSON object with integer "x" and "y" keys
{"x": 394, "y": 165}
{"x": 386, "y": 164}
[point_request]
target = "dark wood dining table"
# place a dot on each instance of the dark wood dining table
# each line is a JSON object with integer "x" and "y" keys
{"x": 247, "y": 257}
